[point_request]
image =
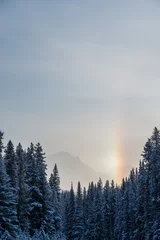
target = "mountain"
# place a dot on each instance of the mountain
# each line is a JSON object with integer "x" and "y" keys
{"x": 72, "y": 169}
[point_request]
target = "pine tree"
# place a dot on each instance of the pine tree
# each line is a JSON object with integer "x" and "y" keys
{"x": 64, "y": 210}
{"x": 65, "y": 199}
{"x": 34, "y": 192}
{"x": 147, "y": 159}
{"x": 85, "y": 210}
{"x": 106, "y": 209}
{"x": 78, "y": 224}
{"x": 71, "y": 215}
{"x": 126, "y": 216}
{"x": 1, "y": 144}
{"x": 8, "y": 214}
{"x": 156, "y": 175}
{"x": 23, "y": 189}
{"x": 118, "y": 215}
{"x": 132, "y": 196}
{"x": 140, "y": 202}
{"x": 90, "y": 228}
{"x": 98, "y": 228}
{"x": 112, "y": 202}
{"x": 42, "y": 209}
{"x": 54, "y": 183}
{"x": 30, "y": 158}
{"x": 11, "y": 164}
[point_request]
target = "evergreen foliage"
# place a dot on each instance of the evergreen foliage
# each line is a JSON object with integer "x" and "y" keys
{"x": 79, "y": 224}
{"x": 70, "y": 216}
{"x": 23, "y": 189}
{"x": 1, "y": 144}
{"x": 8, "y": 214}
{"x": 26, "y": 200}
{"x": 11, "y": 163}
{"x": 33, "y": 208}
{"x": 55, "y": 182}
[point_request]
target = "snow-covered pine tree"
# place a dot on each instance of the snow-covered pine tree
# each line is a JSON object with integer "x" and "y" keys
{"x": 79, "y": 224}
{"x": 112, "y": 201}
{"x": 90, "y": 228}
{"x": 118, "y": 215}
{"x": 42, "y": 211}
{"x": 54, "y": 183}
{"x": 65, "y": 199}
{"x": 1, "y": 144}
{"x": 106, "y": 209}
{"x": 29, "y": 161}
{"x": 126, "y": 216}
{"x": 11, "y": 164}
{"x": 70, "y": 218}
{"x": 147, "y": 159}
{"x": 132, "y": 192}
{"x": 140, "y": 214}
{"x": 98, "y": 228}
{"x": 155, "y": 138}
{"x": 34, "y": 192}
{"x": 85, "y": 210}
{"x": 8, "y": 214}
{"x": 23, "y": 189}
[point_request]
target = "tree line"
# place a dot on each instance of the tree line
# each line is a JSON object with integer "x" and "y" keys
{"x": 32, "y": 207}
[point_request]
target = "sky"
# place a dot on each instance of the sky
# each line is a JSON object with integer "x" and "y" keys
{"x": 81, "y": 77}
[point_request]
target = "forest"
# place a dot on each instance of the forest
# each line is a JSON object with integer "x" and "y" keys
{"x": 33, "y": 206}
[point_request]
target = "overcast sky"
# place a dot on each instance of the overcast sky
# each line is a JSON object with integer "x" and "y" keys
{"x": 81, "y": 76}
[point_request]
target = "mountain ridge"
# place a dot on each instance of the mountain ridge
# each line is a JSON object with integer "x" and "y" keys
{"x": 72, "y": 169}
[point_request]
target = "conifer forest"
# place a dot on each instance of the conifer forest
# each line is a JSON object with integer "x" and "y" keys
{"x": 33, "y": 206}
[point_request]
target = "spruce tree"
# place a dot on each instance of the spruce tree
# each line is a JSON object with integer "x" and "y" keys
{"x": 156, "y": 175}
{"x": 11, "y": 164}
{"x": 148, "y": 164}
{"x": 71, "y": 215}
{"x": 112, "y": 202}
{"x": 78, "y": 224}
{"x": 1, "y": 144}
{"x": 23, "y": 189}
{"x": 118, "y": 215}
{"x": 42, "y": 211}
{"x": 106, "y": 209}
{"x": 8, "y": 213}
{"x": 132, "y": 196}
{"x": 65, "y": 210}
{"x": 90, "y": 228}
{"x": 85, "y": 210}
{"x": 140, "y": 202}
{"x": 98, "y": 228}
{"x": 54, "y": 183}
{"x": 126, "y": 216}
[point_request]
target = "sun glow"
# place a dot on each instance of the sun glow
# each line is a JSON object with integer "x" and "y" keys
{"x": 119, "y": 159}
{"x": 114, "y": 160}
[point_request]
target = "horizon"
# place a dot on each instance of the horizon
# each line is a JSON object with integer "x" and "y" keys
{"x": 78, "y": 169}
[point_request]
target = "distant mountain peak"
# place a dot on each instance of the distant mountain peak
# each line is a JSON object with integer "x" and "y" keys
{"x": 72, "y": 169}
